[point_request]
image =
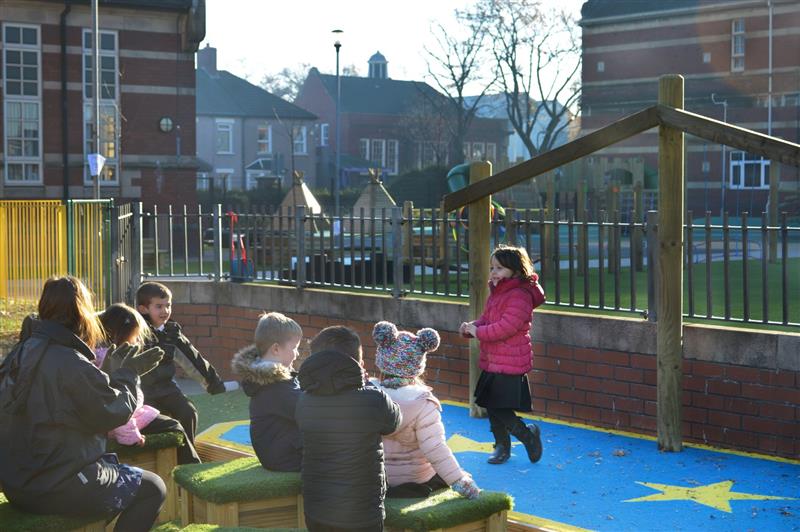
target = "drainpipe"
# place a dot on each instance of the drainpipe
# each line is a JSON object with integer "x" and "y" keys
{"x": 769, "y": 82}
{"x": 64, "y": 102}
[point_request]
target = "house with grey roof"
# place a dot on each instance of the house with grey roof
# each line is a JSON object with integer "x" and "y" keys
{"x": 246, "y": 136}
{"x": 385, "y": 123}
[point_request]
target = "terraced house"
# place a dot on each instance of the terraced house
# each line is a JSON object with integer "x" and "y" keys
{"x": 147, "y": 98}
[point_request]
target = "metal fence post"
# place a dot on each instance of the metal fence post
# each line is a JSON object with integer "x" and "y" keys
{"x": 651, "y": 230}
{"x": 397, "y": 251}
{"x": 216, "y": 223}
{"x": 300, "y": 235}
{"x": 137, "y": 261}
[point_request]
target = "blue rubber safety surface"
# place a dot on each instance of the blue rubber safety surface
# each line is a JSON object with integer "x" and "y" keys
{"x": 591, "y": 479}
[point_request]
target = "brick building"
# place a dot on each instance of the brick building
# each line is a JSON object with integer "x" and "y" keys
{"x": 388, "y": 123}
{"x": 147, "y": 98}
{"x": 741, "y": 64}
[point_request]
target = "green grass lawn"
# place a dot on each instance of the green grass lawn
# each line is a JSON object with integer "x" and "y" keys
{"x": 11, "y": 316}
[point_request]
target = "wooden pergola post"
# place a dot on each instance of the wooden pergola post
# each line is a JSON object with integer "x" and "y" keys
{"x": 480, "y": 225}
{"x": 669, "y": 270}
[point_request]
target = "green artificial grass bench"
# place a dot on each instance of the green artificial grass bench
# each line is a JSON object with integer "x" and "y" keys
{"x": 242, "y": 493}
{"x": 159, "y": 454}
{"x": 446, "y": 510}
{"x": 239, "y": 493}
{"x": 13, "y": 520}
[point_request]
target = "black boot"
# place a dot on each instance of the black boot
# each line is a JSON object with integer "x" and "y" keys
{"x": 529, "y": 436}
{"x": 502, "y": 447}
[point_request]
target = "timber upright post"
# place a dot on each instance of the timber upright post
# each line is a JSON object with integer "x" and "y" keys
{"x": 479, "y": 220}
{"x": 669, "y": 270}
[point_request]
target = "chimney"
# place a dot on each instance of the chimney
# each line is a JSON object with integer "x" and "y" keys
{"x": 207, "y": 59}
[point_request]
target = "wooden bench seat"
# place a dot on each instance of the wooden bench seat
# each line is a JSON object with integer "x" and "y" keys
{"x": 13, "y": 520}
{"x": 241, "y": 493}
{"x": 159, "y": 455}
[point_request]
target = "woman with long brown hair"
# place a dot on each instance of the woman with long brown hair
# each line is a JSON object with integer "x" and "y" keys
{"x": 56, "y": 408}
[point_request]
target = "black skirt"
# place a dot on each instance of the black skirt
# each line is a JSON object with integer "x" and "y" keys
{"x": 496, "y": 390}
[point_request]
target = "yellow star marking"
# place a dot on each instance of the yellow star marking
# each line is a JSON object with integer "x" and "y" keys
{"x": 460, "y": 444}
{"x": 717, "y": 495}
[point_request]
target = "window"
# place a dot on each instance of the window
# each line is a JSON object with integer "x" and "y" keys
{"x": 203, "y": 181}
{"x": 737, "y": 45}
{"x": 431, "y": 154}
{"x": 791, "y": 100}
{"x": 601, "y": 66}
{"x": 748, "y": 171}
{"x": 109, "y": 110}
{"x": 363, "y": 145}
{"x": 392, "y": 152}
{"x": 491, "y": 152}
{"x": 478, "y": 151}
{"x": 377, "y": 154}
{"x": 706, "y": 57}
{"x": 109, "y": 126}
{"x": 706, "y": 167}
{"x": 323, "y": 134}
{"x": 264, "y": 139}
{"x": 466, "y": 150}
{"x": 225, "y": 137}
{"x": 107, "y": 54}
{"x": 23, "y": 120}
{"x": 300, "y": 134}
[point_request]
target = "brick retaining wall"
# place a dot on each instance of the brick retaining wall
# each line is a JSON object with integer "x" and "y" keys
{"x": 741, "y": 388}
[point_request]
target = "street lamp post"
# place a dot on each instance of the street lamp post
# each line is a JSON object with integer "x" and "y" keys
{"x": 337, "y": 44}
{"x": 724, "y": 104}
{"x": 96, "y": 92}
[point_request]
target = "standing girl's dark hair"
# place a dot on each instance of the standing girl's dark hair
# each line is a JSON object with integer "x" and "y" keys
{"x": 66, "y": 301}
{"x": 124, "y": 324}
{"x": 515, "y": 259}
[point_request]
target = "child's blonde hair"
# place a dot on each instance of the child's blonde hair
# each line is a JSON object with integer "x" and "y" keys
{"x": 275, "y": 328}
{"x": 515, "y": 259}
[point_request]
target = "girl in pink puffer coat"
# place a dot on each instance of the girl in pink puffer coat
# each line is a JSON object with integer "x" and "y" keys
{"x": 506, "y": 354}
{"x": 417, "y": 458}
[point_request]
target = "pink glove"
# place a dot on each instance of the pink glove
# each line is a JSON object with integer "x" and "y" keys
{"x": 466, "y": 487}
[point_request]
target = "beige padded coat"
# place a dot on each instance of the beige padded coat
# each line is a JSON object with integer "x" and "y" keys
{"x": 418, "y": 449}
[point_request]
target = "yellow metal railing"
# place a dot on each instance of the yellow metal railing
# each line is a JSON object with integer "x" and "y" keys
{"x": 43, "y": 238}
{"x": 33, "y": 247}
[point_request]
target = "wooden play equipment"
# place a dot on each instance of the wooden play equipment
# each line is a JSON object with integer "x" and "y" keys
{"x": 668, "y": 115}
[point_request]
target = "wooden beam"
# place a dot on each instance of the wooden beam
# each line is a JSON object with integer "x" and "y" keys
{"x": 597, "y": 140}
{"x": 669, "y": 271}
{"x": 480, "y": 236}
{"x": 712, "y": 130}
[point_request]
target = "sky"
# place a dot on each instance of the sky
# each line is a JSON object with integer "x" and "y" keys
{"x": 257, "y": 37}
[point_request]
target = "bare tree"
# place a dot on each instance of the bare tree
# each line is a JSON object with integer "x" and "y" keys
{"x": 455, "y": 65}
{"x": 537, "y": 59}
{"x": 428, "y": 127}
{"x": 286, "y": 84}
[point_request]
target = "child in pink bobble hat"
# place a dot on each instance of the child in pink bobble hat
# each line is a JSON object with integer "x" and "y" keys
{"x": 418, "y": 460}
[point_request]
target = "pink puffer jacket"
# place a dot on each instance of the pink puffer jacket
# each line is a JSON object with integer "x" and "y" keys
{"x": 504, "y": 328}
{"x": 418, "y": 449}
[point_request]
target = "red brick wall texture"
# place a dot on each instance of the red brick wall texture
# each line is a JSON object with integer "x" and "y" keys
{"x": 725, "y": 405}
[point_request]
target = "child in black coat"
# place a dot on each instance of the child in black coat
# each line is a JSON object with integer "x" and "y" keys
{"x": 265, "y": 371}
{"x": 154, "y": 302}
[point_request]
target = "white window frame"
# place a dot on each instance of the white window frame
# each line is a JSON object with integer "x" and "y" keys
{"x": 491, "y": 152}
{"x": 601, "y": 66}
{"x": 478, "y": 151}
{"x": 737, "y": 37}
{"x": 264, "y": 145}
{"x": 392, "y": 161}
{"x": 380, "y": 157}
{"x": 739, "y": 162}
{"x": 251, "y": 178}
{"x": 220, "y": 126}
{"x": 225, "y": 177}
{"x": 25, "y": 161}
{"x": 108, "y": 107}
{"x": 363, "y": 148}
{"x": 323, "y": 134}
{"x": 300, "y": 140}
{"x": 706, "y": 57}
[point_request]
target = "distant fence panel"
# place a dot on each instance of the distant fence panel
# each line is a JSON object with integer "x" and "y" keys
{"x": 737, "y": 269}
{"x": 33, "y": 247}
{"x": 44, "y": 238}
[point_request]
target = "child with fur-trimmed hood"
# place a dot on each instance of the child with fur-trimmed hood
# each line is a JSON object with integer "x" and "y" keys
{"x": 418, "y": 460}
{"x": 265, "y": 371}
